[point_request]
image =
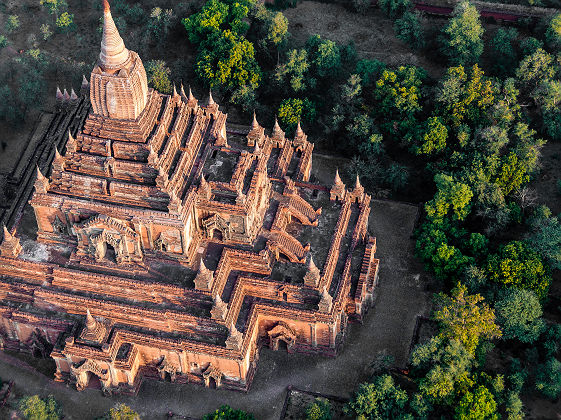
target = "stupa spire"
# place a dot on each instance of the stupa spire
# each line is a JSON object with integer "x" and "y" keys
{"x": 90, "y": 320}
{"x": 113, "y": 51}
{"x": 337, "y": 177}
{"x": 210, "y": 100}
{"x": 7, "y": 235}
{"x": 299, "y": 131}
{"x": 357, "y": 183}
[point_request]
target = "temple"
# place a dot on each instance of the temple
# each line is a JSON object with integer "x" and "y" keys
{"x": 176, "y": 248}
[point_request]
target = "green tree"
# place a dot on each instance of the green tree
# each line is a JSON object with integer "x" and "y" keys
{"x": 159, "y": 23}
{"x": 462, "y": 39}
{"x": 451, "y": 199}
{"x": 545, "y": 236}
{"x": 465, "y": 318}
{"x": 394, "y": 8}
{"x": 294, "y": 71}
{"x": 398, "y": 92}
{"x": 519, "y": 314}
{"x": 226, "y": 412}
{"x": 431, "y": 137}
{"x": 503, "y": 52}
{"x": 320, "y": 409}
{"x": 381, "y": 399}
{"x": 228, "y": 60}
{"x": 3, "y": 41}
{"x": 548, "y": 378}
{"x": 442, "y": 366}
{"x": 293, "y": 110}
{"x": 530, "y": 45}
{"x": 553, "y": 32}
{"x": 477, "y": 405}
{"x": 36, "y": 408}
{"x": 325, "y": 56}
{"x": 535, "y": 69}
{"x": 158, "y": 76}
{"x": 464, "y": 96}
{"x": 272, "y": 28}
{"x": 120, "y": 412}
{"x": 516, "y": 264}
{"x": 408, "y": 28}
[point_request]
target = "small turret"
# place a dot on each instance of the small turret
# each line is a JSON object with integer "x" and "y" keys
{"x": 277, "y": 134}
{"x": 325, "y": 302}
{"x": 41, "y": 183}
{"x": 10, "y": 246}
{"x": 235, "y": 339}
{"x": 312, "y": 276}
{"x": 256, "y": 133}
{"x": 204, "y": 188}
{"x": 203, "y": 280}
{"x": 71, "y": 145}
{"x": 85, "y": 87}
{"x": 338, "y": 191}
{"x": 219, "y": 309}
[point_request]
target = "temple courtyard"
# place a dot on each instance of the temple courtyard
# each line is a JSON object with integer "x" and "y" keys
{"x": 387, "y": 329}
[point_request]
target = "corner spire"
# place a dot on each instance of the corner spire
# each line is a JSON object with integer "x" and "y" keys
{"x": 299, "y": 131}
{"x": 357, "y": 183}
{"x": 210, "y": 100}
{"x": 113, "y": 51}
{"x": 254, "y": 124}
{"x": 7, "y": 235}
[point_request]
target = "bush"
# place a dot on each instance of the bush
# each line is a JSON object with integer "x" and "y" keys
{"x": 3, "y": 41}
{"x": 12, "y": 23}
{"x": 519, "y": 314}
{"x": 36, "y": 408}
{"x": 120, "y": 412}
{"x": 320, "y": 409}
{"x": 158, "y": 76}
{"x": 548, "y": 378}
{"x": 228, "y": 413}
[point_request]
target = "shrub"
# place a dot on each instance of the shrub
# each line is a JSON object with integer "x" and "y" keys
{"x": 36, "y": 408}
{"x": 320, "y": 409}
{"x": 12, "y": 23}
{"x": 548, "y": 378}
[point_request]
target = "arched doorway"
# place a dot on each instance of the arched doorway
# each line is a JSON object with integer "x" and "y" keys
{"x": 110, "y": 254}
{"x": 217, "y": 235}
{"x": 212, "y": 383}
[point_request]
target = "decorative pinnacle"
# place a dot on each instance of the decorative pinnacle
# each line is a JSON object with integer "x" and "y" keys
{"x": 276, "y": 127}
{"x": 174, "y": 91}
{"x": 7, "y": 235}
{"x": 85, "y": 81}
{"x": 90, "y": 320}
{"x": 217, "y": 298}
{"x": 106, "y": 8}
{"x": 203, "y": 268}
{"x": 337, "y": 177}
{"x": 59, "y": 95}
{"x": 191, "y": 97}
{"x": 311, "y": 265}
{"x": 58, "y": 157}
{"x": 40, "y": 175}
{"x": 66, "y": 95}
{"x": 182, "y": 91}
{"x": 299, "y": 131}
{"x": 210, "y": 100}
{"x": 254, "y": 124}
{"x": 357, "y": 183}
{"x": 73, "y": 95}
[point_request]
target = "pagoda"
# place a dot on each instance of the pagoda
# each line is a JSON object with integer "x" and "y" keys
{"x": 175, "y": 249}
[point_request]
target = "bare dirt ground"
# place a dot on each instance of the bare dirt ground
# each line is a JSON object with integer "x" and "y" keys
{"x": 387, "y": 329}
{"x": 372, "y": 33}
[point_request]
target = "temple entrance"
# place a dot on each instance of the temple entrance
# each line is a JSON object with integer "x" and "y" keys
{"x": 93, "y": 381}
{"x": 282, "y": 345}
{"x": 212, "y": 383}
{"x": 217, "y": 235}
{"x": 110, "y": 254}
